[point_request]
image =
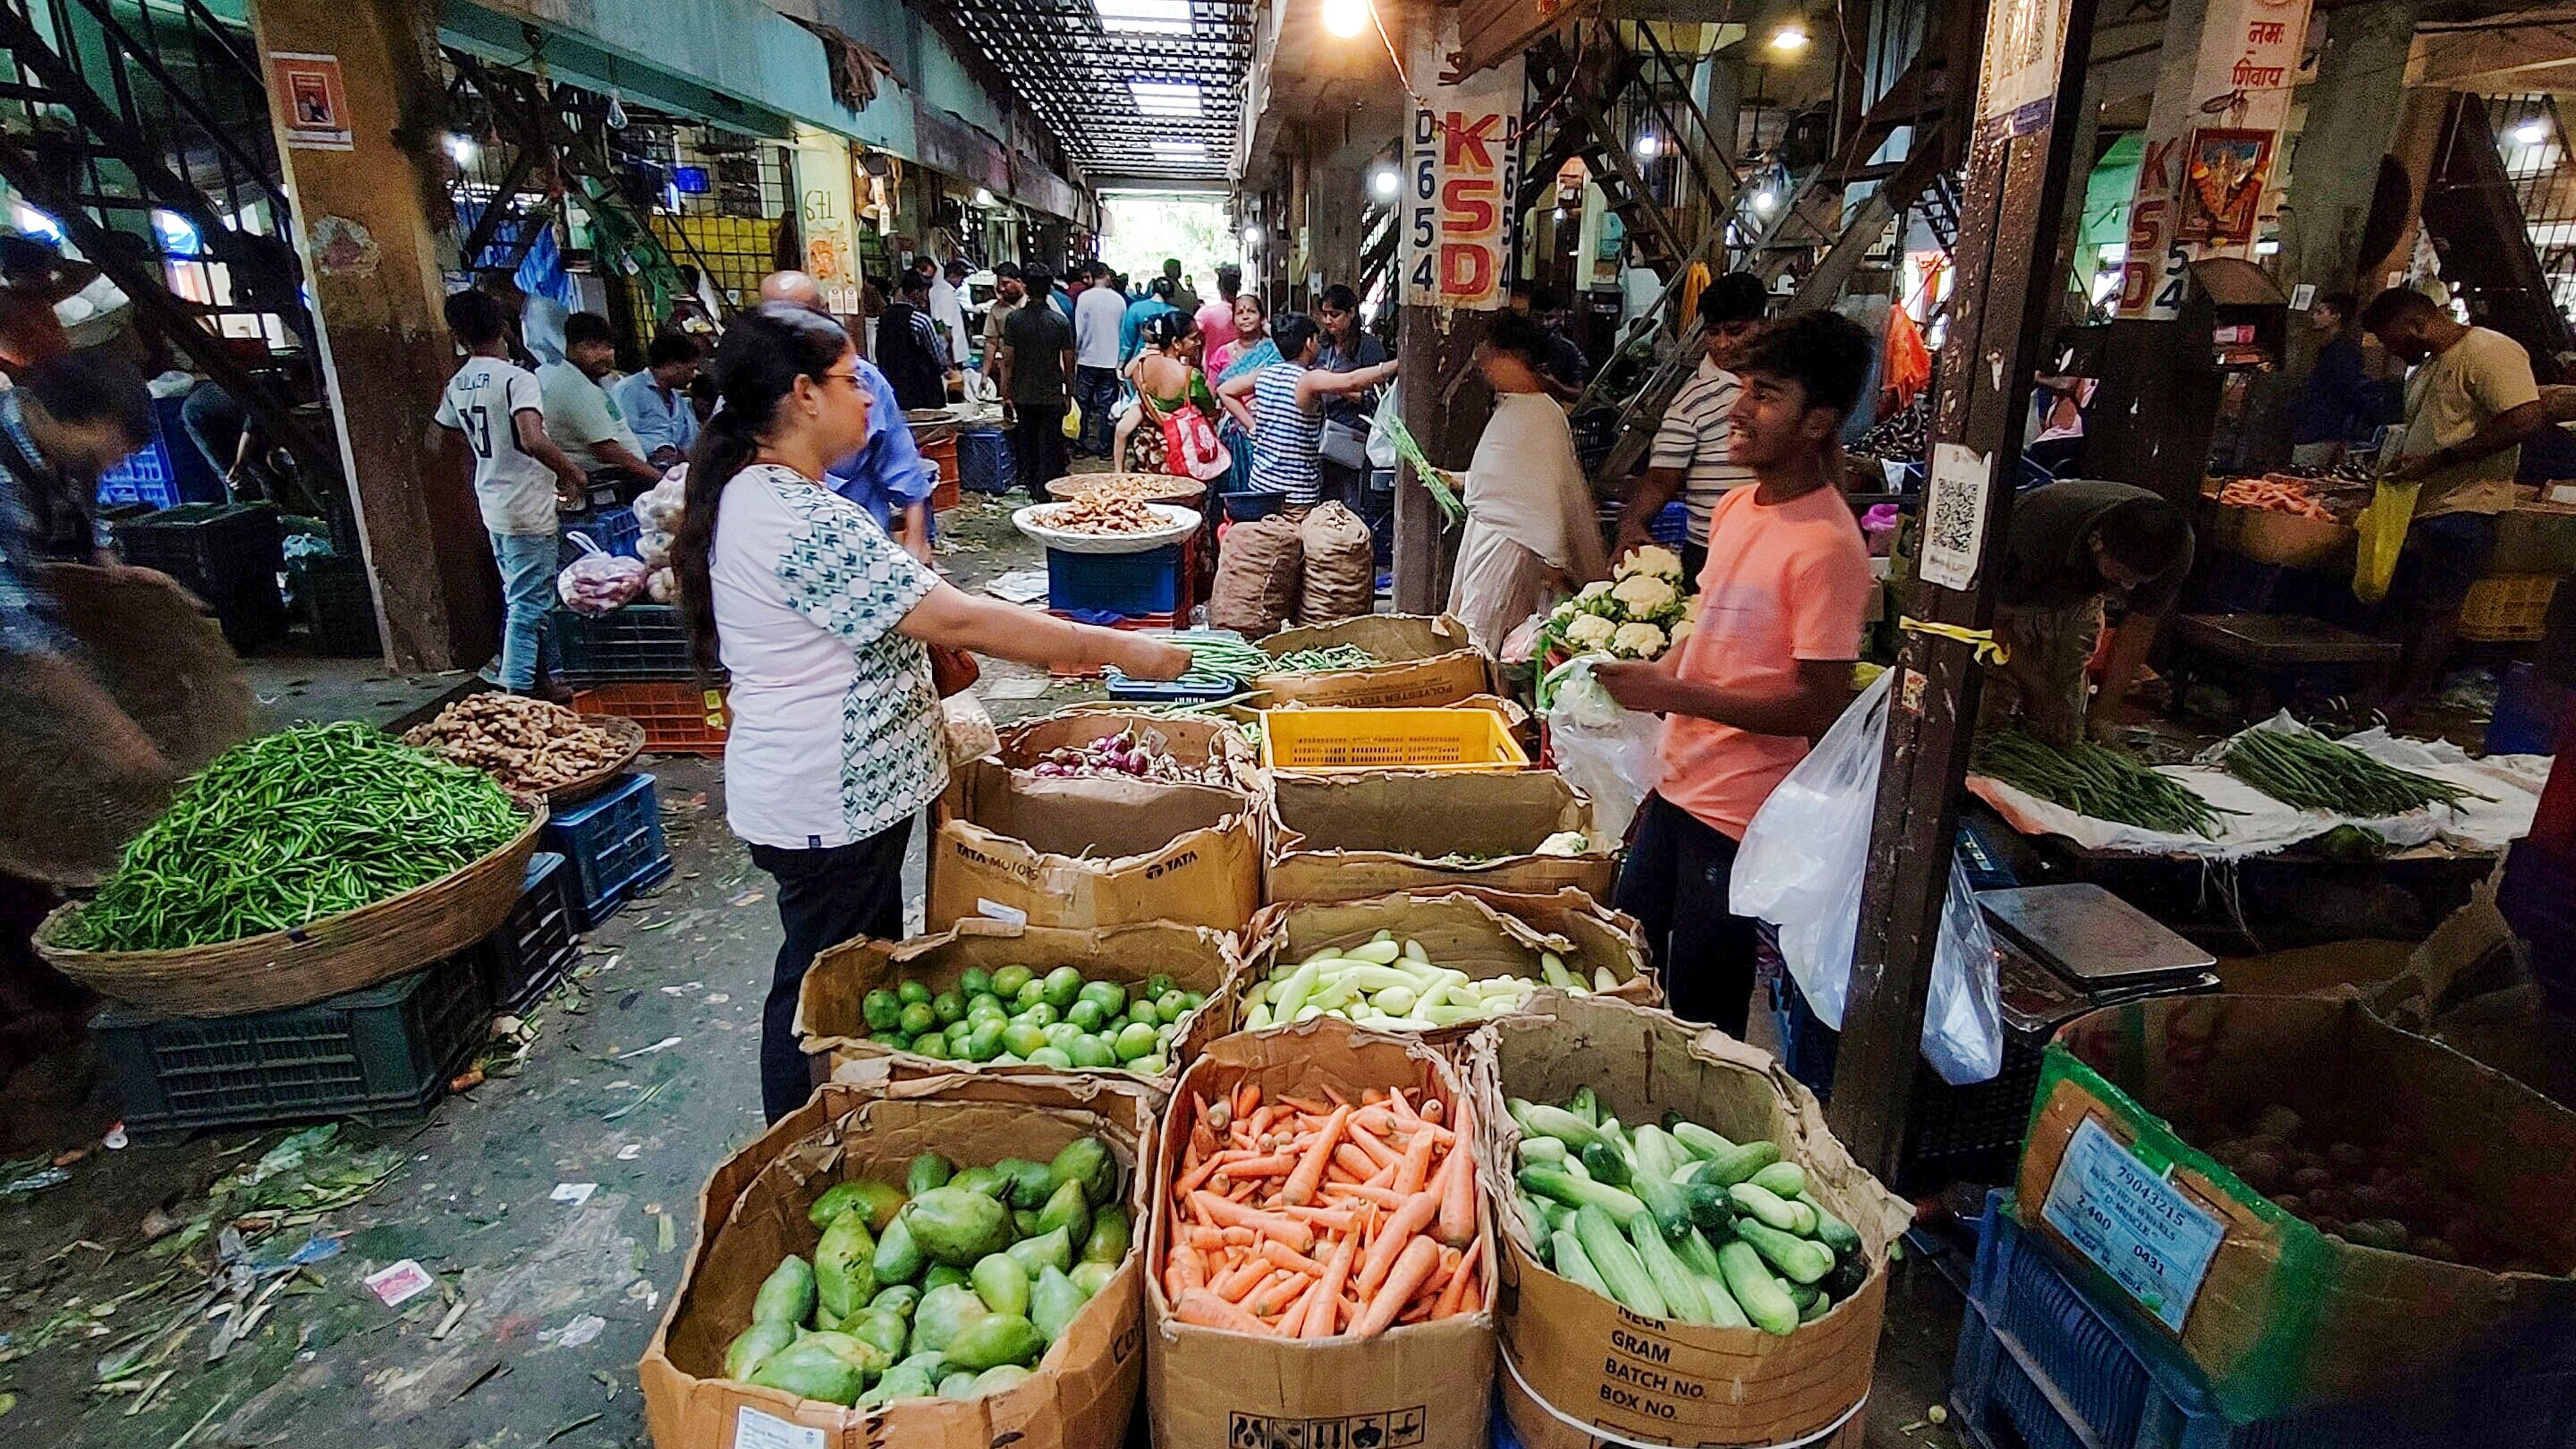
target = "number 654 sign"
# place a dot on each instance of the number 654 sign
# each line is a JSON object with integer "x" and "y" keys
{"x": 1463, "y": 179}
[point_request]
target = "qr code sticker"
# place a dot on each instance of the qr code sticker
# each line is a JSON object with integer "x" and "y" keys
{"x": 1954, "y": 516}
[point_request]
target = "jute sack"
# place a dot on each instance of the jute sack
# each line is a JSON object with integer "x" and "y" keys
{"x": 1257, "y": 573}
{"x": 1341, "y": 566}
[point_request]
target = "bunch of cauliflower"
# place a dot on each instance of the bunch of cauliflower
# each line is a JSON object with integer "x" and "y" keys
{"x": 1637, "y": 613}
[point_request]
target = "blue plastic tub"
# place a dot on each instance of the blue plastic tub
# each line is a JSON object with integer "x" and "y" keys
{"x": 984, "y": 463}
{"x": 613, "y": 844}
{"x": 2041, "y": 1365}
{"x": 1126, "y": 584}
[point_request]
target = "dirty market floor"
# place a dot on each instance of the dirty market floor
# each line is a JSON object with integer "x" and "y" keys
{"x": 553, "y": 1205}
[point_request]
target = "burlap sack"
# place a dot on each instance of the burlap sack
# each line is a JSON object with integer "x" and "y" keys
{"x": 1257, "y": 573}
{"x": 1341, "y": 566}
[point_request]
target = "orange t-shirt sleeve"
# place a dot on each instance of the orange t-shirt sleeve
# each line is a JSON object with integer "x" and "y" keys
{"x": 1828, "y": 603}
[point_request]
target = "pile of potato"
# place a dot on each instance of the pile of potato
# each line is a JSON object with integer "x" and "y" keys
{"x": 2390, "y": 1194}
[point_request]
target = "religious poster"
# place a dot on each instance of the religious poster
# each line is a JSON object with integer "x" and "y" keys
{"x": 2222, "y": 189}
{"x": 1464, "y": 178}
{"x": 316, "y": 100}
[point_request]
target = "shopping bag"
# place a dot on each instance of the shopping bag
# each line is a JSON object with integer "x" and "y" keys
{"x": 1190, "y": 446}
{"x": 1609, "y": 753}
{"x": 1072, "y": 418}
{"x": 1801, "y": 866}
{"x": 1381, "y": 441}
{"x": 2383, "y": 532}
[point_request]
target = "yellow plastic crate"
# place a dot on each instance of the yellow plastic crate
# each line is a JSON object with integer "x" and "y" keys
{"x": 1326, "y": 740}
{"x": 2507, "y": 608}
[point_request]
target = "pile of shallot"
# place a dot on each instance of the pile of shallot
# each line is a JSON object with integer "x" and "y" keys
{"x": 1138, "y": 752}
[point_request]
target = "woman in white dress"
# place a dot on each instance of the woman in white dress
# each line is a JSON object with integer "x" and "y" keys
{"x": 1532, "y": 534}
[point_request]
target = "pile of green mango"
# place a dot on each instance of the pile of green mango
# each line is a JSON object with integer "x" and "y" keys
{"x": 953, "y": 1284}
{"x": 1016, "y": 1017}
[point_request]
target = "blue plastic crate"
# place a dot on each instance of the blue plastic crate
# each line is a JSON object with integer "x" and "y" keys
{"x": 1671, "y": 527}
{"x": 613, "y": 844}
{"x": 538, "y": 943}
{"x": 146, "y": 477}
{"x": 2041, "y": 1365}
{"x": 1128, "y": 584}
{"x": 984, "y": 463}
{"x": 614, "y": 528}
{"x": 2530, "y": 710}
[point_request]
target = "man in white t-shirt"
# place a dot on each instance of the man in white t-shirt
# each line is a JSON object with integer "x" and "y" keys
{"x": 520, "y": 477}
{"x": 1690, "y": 456}
{"x": 580, "y": 415}
{"x": 1097, "y": 314}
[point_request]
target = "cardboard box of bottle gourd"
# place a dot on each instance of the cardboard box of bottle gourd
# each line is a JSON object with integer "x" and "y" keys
{"x": 2277, "y": 1314}
{"x": 1579, "y": 1369}
{"x": 831, "y": 1016}
{"x": 1093, "y": 852}
{"x": 1081, "y": 1392}
{"x": 1482, "y": 933}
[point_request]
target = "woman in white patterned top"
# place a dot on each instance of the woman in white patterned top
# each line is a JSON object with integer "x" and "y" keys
{"x": 820, "y": 620}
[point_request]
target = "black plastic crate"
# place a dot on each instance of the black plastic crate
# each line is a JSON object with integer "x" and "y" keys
{"x": 639, "y": 641}
{"x": 228, "y": 554}
{"x": 383, "y": 1056}
{"x": 338, "y": 609}
{"x": 612, "y": 844}
{"x": 538, "y": 944}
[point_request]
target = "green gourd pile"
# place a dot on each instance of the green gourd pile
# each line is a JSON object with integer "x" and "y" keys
{"x": 1015, "y": 1017}
{"x": 284, "y": 830}
{"x": 952, "y": 1285}
{"x": 1677, "y": 1222}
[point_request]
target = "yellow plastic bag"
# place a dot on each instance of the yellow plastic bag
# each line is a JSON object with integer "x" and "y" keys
{"x": 1072, "y": 418}
{"x": 2383, "y": 532}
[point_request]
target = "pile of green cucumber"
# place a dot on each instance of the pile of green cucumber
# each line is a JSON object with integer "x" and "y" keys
{"x": 1677, "y": 1222}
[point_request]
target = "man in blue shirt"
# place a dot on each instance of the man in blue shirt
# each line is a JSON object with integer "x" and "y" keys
{"x": 656, "y": 400}
{"x": 886, "y": 476}
{"x": 1131, "y": 328}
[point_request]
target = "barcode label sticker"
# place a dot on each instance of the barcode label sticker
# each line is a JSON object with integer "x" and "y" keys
{"x": 1954, "y": 516}
{"x": 753, "y": 1429}
{"x": 2132, "y": 1223}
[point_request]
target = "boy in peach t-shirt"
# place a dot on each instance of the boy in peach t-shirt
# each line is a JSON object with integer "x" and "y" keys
{"x": 1768, "y": 669}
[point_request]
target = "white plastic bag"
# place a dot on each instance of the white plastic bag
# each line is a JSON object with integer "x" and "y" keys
{"x": 598, "y": 581}
{"x": 1801, "y": 868}
{"x": 1382, "y": 427}
{"x": 1608, "y": 753}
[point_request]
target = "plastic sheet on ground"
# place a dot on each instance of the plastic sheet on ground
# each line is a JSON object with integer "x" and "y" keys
{"x": 2511, "y": 783}
{"x": 2258, "y": 826}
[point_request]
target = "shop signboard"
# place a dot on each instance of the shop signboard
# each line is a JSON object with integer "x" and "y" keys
{"x": 1464, "y": 164}
{"x": 2211, "y": 151}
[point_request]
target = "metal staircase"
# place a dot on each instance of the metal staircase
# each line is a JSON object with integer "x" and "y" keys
{"x": 142, "y": 131}
{"x": 1598, "y": 92}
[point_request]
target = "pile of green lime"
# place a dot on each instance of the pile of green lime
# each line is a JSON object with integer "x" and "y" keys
{"x": 1015, "y": 1017}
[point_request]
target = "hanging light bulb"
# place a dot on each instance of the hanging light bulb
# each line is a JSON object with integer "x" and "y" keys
{"x": 460, "y": 149}
{"x": 2531, "y": 132}
{"x": 983, "y": 196}
{"x": 1647, "y": 146}
{"x": 1766, "y": 201}
{"x": 616, "y": 112}
{"x": 1384, "y": 182}
{"x": 1791, "y": 36}
{"x": 1345, "y": 18}
{"x": 1252, "y": 236}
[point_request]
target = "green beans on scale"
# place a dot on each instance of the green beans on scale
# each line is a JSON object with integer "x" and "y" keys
{"x": 289, "y": 828}
{"x": 1222, "y": 654}
{"x": 2095, "y": 780}
{"x": 2311, "y": 772}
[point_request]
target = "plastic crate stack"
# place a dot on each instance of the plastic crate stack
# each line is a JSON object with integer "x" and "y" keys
{"x": 332, "y": 597}
{"x": 228, "y": 554}
{"x": 386, "y": 1054}
{"x": 2042, "y": 1364}
{"x": 1148, "y": 590}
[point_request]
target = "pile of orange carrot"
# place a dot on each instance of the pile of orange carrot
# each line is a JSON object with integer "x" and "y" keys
{"x": 2277, "y": 493}
{"x": 1297, "y": 1218}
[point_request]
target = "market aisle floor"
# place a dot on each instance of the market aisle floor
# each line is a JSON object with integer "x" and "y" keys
{"x": 632, "y": 1087}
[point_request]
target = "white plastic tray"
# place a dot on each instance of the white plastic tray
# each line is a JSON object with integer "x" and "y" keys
{"x": 1179, "y": 523}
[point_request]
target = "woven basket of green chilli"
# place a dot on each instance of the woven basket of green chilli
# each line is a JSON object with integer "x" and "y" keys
{"x": 347, "y": 952}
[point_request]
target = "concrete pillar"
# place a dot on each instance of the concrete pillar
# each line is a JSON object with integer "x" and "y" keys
{"x": 2417, "y": 147}
{"x": 1336, "y": 195}
{"x": 2354, "y": 108}
{"x": 370, "y": 257}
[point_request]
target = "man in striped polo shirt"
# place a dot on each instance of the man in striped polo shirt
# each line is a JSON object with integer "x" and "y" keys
{"x": 1690, "y": 452}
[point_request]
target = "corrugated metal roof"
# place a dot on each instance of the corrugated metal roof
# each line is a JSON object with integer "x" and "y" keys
{"x": 1150, "y": 89}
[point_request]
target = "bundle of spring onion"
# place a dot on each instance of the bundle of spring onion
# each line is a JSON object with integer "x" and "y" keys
{"x": 2094, "y": 780}
{"x": 2301, "y": 768}
{"x": 286, "y": 829}
{"x": 1394, "y": 986}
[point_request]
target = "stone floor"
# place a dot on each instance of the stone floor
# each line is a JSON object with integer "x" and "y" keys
{"x": 631, "y": 1085}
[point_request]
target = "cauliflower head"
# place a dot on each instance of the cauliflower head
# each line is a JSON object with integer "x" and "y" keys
{"x": 1655, "y": 561}
{"x": 1637, "y": 641}
{"x": 1590, "y": 631}
{"x": 1646, "y": 594}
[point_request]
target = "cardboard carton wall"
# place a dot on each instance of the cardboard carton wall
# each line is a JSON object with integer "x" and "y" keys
{"x": 1345, "y": 836}
{"x": 1095, "y": 852}
{"x": 1431, "y": 662}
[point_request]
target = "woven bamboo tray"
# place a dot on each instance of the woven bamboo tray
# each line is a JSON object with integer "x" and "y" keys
{"x": 347, "y": 952}
{"x": 630, "y": 735}
{"x": 1180, "y": 490}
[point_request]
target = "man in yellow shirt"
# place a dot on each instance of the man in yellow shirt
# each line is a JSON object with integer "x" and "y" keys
{"x": 2470, "y": 403}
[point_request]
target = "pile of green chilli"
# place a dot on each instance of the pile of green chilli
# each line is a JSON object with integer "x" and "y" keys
{"x": 281, "y": 831}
